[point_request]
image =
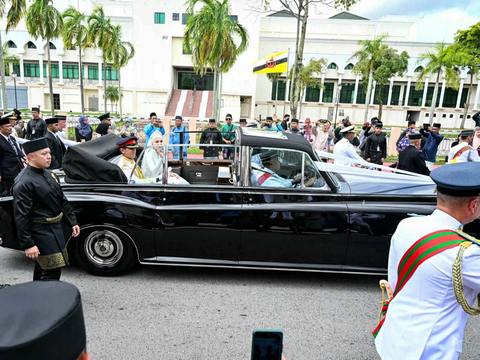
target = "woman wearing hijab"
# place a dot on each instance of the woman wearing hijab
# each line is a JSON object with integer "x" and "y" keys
{"x": 476, "y": 140}
{"x": 152, "y": 162}
{"x": 103, "y": 129}
{"x": 308, "y": 130}
{"x": 83, "y": 131}
{"x": 128, "y": 129}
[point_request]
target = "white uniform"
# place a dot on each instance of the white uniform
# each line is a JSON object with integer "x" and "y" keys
{"x": 262, "y": 176}
{"x": 345, "y": 149}
{"x": 424, "y": 321}
{"x": 469, "y": 155}
{"x": 127, "y": 165}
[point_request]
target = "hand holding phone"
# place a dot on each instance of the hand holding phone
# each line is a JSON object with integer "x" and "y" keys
{"x": 267, "y": 345}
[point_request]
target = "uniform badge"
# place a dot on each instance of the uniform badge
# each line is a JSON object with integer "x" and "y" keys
{"x": 54, "y": 177}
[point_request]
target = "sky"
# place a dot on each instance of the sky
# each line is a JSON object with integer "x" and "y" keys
{"x": 441, "y": 18}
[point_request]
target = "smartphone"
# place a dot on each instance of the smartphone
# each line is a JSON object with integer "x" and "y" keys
{"x": 426, "y": 126}
{"x": 267, "y": 345}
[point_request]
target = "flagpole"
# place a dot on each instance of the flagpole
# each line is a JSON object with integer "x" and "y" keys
{"x": 286, "y": 85}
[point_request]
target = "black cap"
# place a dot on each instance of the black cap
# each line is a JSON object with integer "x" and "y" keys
{"x": 152, "y": 114}
{"x": 294, "y": 121}
{"x": 35, "y": 145}
{"x": 411, "y": 122}
{"x": 211, "y": 120}
{"x": 269, "y": 118}
{"x": 457, "y": 180}
{"x": 243, "y": 121}
{"x": 178, "y": 117}
{"x": 17, "y": 112}
{"x": 414, "y": 136}
{"x": 437, "y": 125}
{"x": 42, "y": 320}
{"x": 53, "y": 120}
{"x": 284, "y": 116}
{"x": 35, "y": 109}
{"x": 105, "y": 116}
{"x": 426, "y": 125}
{"x": 379, "y": 124}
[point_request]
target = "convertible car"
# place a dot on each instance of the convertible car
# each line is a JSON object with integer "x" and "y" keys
{"x": 335, "y": 219}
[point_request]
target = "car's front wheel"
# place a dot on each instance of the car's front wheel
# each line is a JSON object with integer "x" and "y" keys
{"x": 105, "y": 251}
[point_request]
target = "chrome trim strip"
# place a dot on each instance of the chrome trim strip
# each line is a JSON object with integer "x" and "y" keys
{"x": 205, "y": 207}
{"x": 108, "y": 198}
{"x": 296, "y": 206}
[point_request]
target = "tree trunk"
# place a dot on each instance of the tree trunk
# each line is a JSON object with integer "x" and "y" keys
{"x": 2, "y": 75}
{"x": 120, "y": 94}
{"x": 369, "y": 91}
{"x": 299, "y": 58}
{"x": 467, "y": 104}
{"x": 216, "y": 88}
{"x": 105, "y": 80}
{"x": 82, "y": 99}
{"x": 434, "y": 99}
{"x": 217, "y": 115}
{"x": 291, "y": 88}
{"x": 50, "y": 81}
{"x": 380, "y": 102}
{"x": 276, "y": 97}
{"x": 300, "y": 105}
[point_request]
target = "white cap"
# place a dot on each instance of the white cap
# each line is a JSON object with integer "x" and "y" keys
{"x": 348, "y": 129}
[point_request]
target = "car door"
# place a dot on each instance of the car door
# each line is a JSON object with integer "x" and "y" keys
{"x": 293, "y": 227}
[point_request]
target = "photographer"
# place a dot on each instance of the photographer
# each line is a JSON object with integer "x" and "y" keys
{"x": 155, "y": 125}
{"x": 128, "y": 129}
{"x": 228, "y": 138}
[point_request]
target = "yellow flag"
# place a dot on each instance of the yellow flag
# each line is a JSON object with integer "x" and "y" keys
{"x": 273, "y": 63}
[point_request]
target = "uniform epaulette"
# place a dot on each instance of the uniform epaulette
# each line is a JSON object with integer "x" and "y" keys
{"x": 415, "y": 215}
{"x": 468, "y": 237}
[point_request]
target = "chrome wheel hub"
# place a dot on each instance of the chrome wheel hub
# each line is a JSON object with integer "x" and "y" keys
{"x": 103, "y": 248}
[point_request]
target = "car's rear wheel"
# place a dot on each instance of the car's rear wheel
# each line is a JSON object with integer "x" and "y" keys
{"x": 105, "y": 252}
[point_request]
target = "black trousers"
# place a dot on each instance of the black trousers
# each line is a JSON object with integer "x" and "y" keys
{"x": 40, "y": 274}
{"x": 5, "y": 187}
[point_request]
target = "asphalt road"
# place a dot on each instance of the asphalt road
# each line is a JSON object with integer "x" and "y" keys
{"x": 171, "y": 313}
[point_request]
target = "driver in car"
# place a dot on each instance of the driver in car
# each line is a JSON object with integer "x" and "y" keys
{"x": 128, "y": 148}
{"x": 264, "y": 168}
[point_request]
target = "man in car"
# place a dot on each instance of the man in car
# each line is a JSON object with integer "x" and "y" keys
{"x": 128, "y": 148}
{"x": 463, "y": 152}
{"x": 345, "y": 148}
{"x": 39, "y": 206}
{"x": 376, "y": 146}
{"x": 434, "y": 271}
{"x": 411, "y": 158}
{"x": 211, "y": 135}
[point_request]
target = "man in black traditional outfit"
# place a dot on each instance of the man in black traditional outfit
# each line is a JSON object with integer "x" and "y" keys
{"x": 39, "y": 206}
{"x": 57, "y": 147}
{"x": 11, "y": 157}
{"x": 36, "y": 128}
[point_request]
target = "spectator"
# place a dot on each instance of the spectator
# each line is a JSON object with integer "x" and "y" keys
{"x": 376, "y": 146}
{"x": 285, "y": 121}
{"x": 276, "y": 123}
{"x": 211, "y": 135}
{"x": 339, "y": 134}
{"x": 433, "y": 139}
{"x": 374, "y": 121}
{"x": 308, "y": 129}
{"x": 36, "y": 127}
{"x": 103, "y": 129}
{"x": 269, "y": 125}
{"x": 411, "y": 158}
{"x": 20, "y": 129}
{"x": 323, "y": 137}
{"x": 365, "y": 131}
{"x": 228, "y": 137}
{"x": 476, "y": 118}
{"x": 476, "y": 140}
{"x": 83, "y": 131}
{"x": 128, "y": 129}
{"x": 175, "y": 138}
{"x": 155, "y": 125}
{"x": 403, "y": 141}
{"x": 295, "y": 128}
{"x": 62, "y": 128}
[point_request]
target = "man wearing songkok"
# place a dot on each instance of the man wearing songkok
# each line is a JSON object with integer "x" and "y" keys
{"x": 432, "y": 134}
{"x": 11, "y": 157}
{"x": 433, "y": 274}
{"x": 179, "y": 132}
{"x": 411, "y": 158}
{"x": 294, "y": 129}
{"x": 42, "y": 321}
{"x": 39, "y": 207}
{"x": 36, "y": 128}
{"x": 57, "y": 147}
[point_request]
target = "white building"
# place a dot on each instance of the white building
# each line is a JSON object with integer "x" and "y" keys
{"x": 161, "y": 77}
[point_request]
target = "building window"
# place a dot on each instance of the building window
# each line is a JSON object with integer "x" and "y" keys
{"x": 31, "y": 45}
{"x": 428, "y": 101}
{"x": 362, "y": 94}
{"x": 395, "y": 95}
{"x": 175, "y": 16}
{"x": 55, "y": 71}
{"x": 111, "y": 73}
{"x": 31, "y": 70}
{"x": 349, "y": 67}
{"x": 418, "y": 69}
{"x": 328, "y": 93}
{"x": 332, "y": 66}
{"x": 233, "y": 18}
{"x": 450, "y": 98}
{"x": 282, "y": 85}
{"x": 52, "y": 47}
{"x": 93, "y": 72}
{"x": 383, "y": 95}
{"x": 11, "y": 44}
{"x": 185, "y": 18}
{"x": 70, "y": 71}
{"x": 159, "y": 18}
{"x": 347, "y": 94}
{"x": 16, "y": 69}
{"x": 312, "y": 94}
{"x": 56, "y": 101}
{"x": 415, "y": 97}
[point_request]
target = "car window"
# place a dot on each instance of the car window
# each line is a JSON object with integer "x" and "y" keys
{"x": 284, "y": 168}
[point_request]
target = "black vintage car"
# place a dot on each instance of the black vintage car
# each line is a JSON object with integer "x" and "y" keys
{"x": 219, "y": 215}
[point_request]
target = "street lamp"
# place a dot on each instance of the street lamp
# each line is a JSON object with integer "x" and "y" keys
{"x": 339, "y": 88}
{"x": 14, "y": 76}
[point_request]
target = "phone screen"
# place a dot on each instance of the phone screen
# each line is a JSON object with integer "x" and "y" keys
{"x": 267, "y": 345}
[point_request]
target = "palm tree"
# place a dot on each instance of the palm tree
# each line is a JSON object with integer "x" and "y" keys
{"x": 14, "y": 15}
{"x": 100, "y": 33}
{"x": 209, "y": 36}
{"x": 370, "y": 53}
{"x": 120, "y": 53}
{"x": 7, "y": 59}
{"x": 111, "y": 95}
{"x": 45, "y": 21}
{"x": 443, "y": 60}
{"x": 75, "y": 34}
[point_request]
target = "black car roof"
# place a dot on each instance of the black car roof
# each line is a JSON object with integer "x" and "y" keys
{"x": 274, "y": 139}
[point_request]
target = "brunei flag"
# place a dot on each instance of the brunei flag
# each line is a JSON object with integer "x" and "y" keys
{"x": 273, "y": 63}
